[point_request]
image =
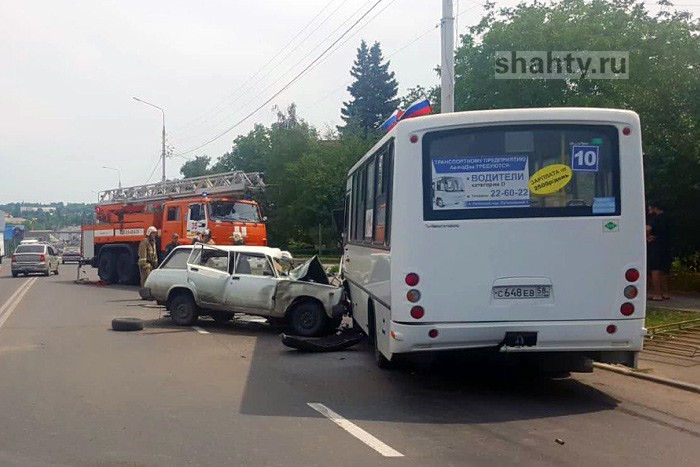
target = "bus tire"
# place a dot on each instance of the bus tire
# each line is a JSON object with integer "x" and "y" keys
{"x": 126, "y": 270}
{"x": 107, "y": 268}
{"x": 440, "y": 203}
{"x": 183, "y": 310}
{"x": 379, "y": 358}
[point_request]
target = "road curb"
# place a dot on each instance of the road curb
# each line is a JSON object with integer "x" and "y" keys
{"x": 656, "y": 379}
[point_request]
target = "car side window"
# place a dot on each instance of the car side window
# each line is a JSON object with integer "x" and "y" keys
{"x": 177, "y": 260}
{"x": 210, "y": 258}
{"x": 256, "y": 265}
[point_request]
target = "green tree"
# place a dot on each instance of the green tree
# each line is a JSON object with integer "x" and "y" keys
{"x": 196, "y": 167}
{"x": 373, "y": 92}
{"x": 663, "y": 85}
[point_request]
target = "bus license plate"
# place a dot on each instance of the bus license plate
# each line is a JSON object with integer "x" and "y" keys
{"x": 521, "y": 291}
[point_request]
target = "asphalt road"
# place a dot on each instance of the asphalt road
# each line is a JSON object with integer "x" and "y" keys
{"x": 75, "y": 393}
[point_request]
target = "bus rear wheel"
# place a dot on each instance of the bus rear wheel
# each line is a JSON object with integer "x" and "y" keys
{"x": 379, "y": 358}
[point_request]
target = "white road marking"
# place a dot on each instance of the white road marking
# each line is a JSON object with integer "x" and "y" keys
{"x": 9, "y": 306}
{"x": 356, "y": 431}
{"x": 200, "y": 330}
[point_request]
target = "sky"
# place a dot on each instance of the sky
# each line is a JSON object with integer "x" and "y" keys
{"x": 69, "y": 71}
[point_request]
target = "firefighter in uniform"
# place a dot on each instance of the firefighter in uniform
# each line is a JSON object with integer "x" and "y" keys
{"x": 148, "y": 256}
{"x": 206, "y": 238}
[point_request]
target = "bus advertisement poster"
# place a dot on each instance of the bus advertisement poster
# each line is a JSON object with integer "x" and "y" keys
{"x": 481, "y": 182}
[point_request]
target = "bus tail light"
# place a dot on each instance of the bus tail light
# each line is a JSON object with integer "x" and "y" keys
{"x": 611, "y": 329}
{"x": 412, "y": 279}
{"x": 631, "y": 292}
{"x": 433, "y": 333}
{"x": 42, "y": 258}
{"x": 413, "y": 295}
{"x": 14, "y": 259}
{"x": 632, "y": 275}
{"x": 627, "y": 309}
{"x": 417, "y": 312}
{"x": 626, "y": 131}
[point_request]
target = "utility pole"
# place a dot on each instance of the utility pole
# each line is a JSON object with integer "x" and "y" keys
{"x": 447, "y": 67}
{"x": 162, "y": 154}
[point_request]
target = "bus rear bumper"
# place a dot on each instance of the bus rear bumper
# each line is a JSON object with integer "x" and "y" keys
{"x": 551, "y": 336}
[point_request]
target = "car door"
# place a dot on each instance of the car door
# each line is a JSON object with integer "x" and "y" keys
{"x": 196, "y": 219}
{"x": 207, "y": 274}
{"x": 52, "y": 258}
{"x": 253, "y": 284}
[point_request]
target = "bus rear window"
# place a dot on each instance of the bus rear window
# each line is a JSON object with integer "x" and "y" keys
{"x": 521, "y": 171}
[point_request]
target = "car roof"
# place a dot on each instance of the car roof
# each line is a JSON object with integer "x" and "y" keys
{"x": 265, "y": 250}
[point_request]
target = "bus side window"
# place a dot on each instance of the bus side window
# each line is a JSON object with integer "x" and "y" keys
{"x": 368, "y": 234}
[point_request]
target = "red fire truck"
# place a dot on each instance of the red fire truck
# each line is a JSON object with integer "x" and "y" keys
{"x": 221, "y": 203}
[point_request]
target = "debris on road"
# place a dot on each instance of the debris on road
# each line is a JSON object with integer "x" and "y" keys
{"x": 127, "y": 324}
{"x": 331, "y": 343}
{"x": 560, "y": 441}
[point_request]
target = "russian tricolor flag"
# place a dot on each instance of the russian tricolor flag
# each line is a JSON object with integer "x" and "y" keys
{"x": 391, "y": 122}
{"x": 417, "y": 109}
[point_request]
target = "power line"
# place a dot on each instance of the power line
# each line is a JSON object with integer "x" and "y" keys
{"x": 400, "y": 49}
{"x": 290, "y": 83}
{"x": 281, "y": 77}
{"x": 291, "y": 69}
{"x": 279, "y": 52}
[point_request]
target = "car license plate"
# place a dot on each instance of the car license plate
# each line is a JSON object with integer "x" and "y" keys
{"x": 502, "y": 292}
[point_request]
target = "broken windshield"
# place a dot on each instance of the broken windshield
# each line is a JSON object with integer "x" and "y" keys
{"x": 233, "y": 211}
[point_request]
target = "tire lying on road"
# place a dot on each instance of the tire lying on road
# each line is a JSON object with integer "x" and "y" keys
{"x": 127, "y": 324}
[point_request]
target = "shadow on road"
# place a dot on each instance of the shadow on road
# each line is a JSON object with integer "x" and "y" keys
{"x": 458, "y": 390}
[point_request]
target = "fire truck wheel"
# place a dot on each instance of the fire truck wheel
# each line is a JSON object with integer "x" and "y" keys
{"x": 126, "y": 271}
{"x": 127, "y": 324}
{"x": 107, "y": 268}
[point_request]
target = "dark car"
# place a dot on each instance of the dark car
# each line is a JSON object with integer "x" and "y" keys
{"x": 71, "y": 255}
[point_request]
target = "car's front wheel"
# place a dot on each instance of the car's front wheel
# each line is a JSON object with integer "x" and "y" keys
{"x": 308, "y": 319}
{"x": 183, "y": 310}
{"x": 15, "y": 274}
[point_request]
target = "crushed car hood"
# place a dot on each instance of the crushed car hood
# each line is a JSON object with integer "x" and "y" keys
{"x": 310, "y": 271}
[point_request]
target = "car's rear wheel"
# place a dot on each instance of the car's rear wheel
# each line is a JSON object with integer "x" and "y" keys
{"x": 183, "y": 310}
{"x": 308, "y": 319}
{"x": 107, "y": 268}
{"x": 15, "y": 274}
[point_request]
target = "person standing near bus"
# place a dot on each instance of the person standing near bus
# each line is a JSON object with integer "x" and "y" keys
{"x": 148, "y": 257}
{"x": 658, "y": 252}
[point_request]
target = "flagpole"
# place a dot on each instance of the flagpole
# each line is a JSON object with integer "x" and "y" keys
{"x": 447, "y": 53}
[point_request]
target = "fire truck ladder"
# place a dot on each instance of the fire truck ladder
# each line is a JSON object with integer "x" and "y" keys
{"x": 237, "y": 182}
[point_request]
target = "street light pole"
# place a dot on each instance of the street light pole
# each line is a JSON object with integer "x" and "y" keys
{"x": 447, "y": 68}
{"x": 119, "y": 173}
{"x": 162, "y": 154}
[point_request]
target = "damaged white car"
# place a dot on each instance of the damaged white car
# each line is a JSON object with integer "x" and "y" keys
{"x": 219, "y": 281}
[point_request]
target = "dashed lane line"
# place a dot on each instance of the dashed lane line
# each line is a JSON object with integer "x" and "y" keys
{"x": 382, "y": 448}
{"x": 9, "y": 306}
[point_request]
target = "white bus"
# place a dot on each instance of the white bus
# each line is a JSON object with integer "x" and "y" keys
{"x": 541, "y": 256}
